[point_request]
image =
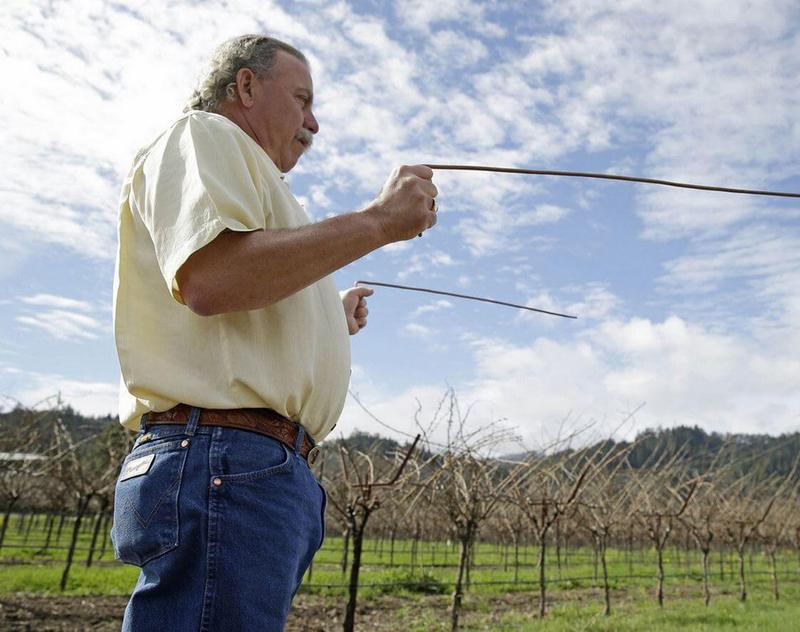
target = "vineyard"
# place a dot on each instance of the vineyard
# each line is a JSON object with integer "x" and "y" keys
{"x": 522, "y": 539}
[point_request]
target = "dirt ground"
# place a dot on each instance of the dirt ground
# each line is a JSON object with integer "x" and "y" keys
{"x": 56, "y": 613}
{"x": 310, "y": 613}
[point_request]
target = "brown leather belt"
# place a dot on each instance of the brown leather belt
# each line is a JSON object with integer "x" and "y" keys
{"x": 261, "y": 420}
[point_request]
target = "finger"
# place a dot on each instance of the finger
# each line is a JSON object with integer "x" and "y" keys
{"x": 429, "y": 188}
{"x": 361, "y": 312}
{"x": 362, "y": 322}
{"x": 422, "y": 171}
{"x": 361, "y": 291}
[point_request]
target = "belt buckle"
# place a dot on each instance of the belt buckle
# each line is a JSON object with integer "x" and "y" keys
{"x": 312, "y": 455}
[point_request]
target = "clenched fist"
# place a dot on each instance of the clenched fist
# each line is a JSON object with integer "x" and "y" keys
{"x": 406, "y": 204}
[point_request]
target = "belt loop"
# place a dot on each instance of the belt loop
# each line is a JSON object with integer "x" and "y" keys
{"x": 298, "y": 442}
{"x": 143, "y": 423}
{"x": 194, "y": 417}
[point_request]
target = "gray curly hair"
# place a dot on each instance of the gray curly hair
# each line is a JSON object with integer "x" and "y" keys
{"x": 218, "y": 84}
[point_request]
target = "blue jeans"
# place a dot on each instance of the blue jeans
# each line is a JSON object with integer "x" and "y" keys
{"x": 223, "y": 523}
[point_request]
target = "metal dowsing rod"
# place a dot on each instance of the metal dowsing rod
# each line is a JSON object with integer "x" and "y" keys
{"x": 572, "y": 174}
{"x": 466, "y": 296}
{"x": 611, "y": 176}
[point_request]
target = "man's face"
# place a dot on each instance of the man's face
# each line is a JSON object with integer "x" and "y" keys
{"x": 281, "y": 114}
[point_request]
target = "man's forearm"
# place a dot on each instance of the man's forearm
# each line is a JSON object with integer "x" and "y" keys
{"x": 243, "y": 271}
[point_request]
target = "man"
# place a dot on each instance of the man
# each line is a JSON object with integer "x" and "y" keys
{"x": 233, "y": 344}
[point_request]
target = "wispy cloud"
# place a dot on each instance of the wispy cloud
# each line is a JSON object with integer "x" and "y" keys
{"x": 62, "y": 324}
{"x": 436, "y": 306}
{"x": 51, "y": 300}
{"x": 418, "y": 331}
{"x": 61, "y": 317}
{"x": 427, "y": 262}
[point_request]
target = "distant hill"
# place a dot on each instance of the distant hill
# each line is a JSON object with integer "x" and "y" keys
{"x": 758, "y": 453}
{"x": 42, "y": 421}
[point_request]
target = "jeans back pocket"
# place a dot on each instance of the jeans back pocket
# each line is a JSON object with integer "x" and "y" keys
{"x": 146, "y": 519}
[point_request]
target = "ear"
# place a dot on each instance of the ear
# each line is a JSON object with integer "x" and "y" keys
{"x": 245, "y": 85}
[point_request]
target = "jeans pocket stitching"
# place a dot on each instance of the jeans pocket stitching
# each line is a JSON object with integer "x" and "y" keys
{"x": 286, "y": 466}
{"x": 145, "y": 522}
{"x": 133, "y": 557}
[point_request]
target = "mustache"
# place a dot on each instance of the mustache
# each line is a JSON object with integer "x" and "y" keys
{"x": 305, "y": 136}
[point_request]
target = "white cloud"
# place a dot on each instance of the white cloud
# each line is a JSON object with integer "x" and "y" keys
{"x": 51, "y": 300}
{"x": 417, "y": 409}
{"x": 755, "y": 252}
{"x": 431, "y": 307}
{"x": 62, "y": 317}
{"x": 421, "y": 15}
{"x": 542, "y": 214}
{"x": 418, "y": 331}
{"x": 597, "y": 302}
{"x": 63, "y": 324}
{"x": 87, "y": 397}
{"x": 686, "y": 374}
{"x": 713, "y": 93}
{"x": 426, "y": 262}
{"x": 457, "y": 50}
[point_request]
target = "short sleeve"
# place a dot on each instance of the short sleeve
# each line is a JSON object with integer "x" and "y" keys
{"x": 199, "y": 179}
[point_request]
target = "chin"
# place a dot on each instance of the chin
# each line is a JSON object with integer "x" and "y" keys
{"x": 291, "y": 163}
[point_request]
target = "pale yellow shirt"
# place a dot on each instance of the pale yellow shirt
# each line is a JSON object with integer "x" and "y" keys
{"x": 201, "y": 176}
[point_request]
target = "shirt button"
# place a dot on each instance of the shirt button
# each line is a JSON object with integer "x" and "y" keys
{"x": 185, "y": 443}
{"x": 217, "y": 482}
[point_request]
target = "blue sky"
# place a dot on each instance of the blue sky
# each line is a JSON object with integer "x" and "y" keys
{"x": 688, "y": 301}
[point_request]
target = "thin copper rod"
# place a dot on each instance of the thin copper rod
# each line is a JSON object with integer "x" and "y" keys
{"x": 611, "y": 176}
{"x": 472, "y": 298}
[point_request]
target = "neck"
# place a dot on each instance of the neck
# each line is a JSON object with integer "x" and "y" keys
{"x": 239, "y": 116}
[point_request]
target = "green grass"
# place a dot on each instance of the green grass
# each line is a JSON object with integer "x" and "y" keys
{"x": 638, "y": 611}
{"x": 46, "y": 578}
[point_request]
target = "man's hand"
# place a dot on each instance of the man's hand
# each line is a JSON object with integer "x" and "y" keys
{"x": 406, "y": 205}
{"x": 355, "y": 307}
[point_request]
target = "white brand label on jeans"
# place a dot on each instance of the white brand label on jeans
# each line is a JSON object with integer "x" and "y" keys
{"x": 137, "y": 467}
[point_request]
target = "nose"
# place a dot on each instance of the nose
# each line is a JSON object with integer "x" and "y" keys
{"x": 310, "y": 122}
